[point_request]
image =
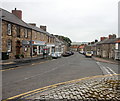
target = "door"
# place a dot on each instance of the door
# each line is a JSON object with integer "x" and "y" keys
{"x": 18, "y": 46}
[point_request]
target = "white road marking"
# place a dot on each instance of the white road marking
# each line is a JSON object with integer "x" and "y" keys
{"x": 111, "y": 70}
{"x": 106, "y": 70}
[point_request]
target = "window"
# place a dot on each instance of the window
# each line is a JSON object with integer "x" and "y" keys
{"x": 9, "y": 46}
{"x": 9, "y": 29}
{"x": 25, "y": 33}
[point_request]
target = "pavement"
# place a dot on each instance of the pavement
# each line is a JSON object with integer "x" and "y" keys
{"x": 106, "y": 60}
{"x": 101, "y": 88}
{"x": 6, "y": 64}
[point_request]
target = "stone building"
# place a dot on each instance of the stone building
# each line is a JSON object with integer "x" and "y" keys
{"x": 117, "y": 49}
{"x": 16, "y": 35}
{"x": 23, "y": 40}
{"x": 106, "y": 47}
{"x": 41, "y": 40}
{"x": 38, "y": 41}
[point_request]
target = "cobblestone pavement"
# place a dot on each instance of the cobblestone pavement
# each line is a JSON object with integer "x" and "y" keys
{"x": 95, "y": 89}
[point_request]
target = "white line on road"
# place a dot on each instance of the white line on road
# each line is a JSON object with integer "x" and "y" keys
{"x": 106, "y": 70}
{"x": 111, "y": 70}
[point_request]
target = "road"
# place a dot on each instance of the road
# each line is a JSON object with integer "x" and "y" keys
{"x": 38, "y": 75}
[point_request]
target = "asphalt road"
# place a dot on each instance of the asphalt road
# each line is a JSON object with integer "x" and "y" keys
{"x": 37, "y": 75}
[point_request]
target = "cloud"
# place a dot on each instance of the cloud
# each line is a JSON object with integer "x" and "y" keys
{"x": 81, "y": 20}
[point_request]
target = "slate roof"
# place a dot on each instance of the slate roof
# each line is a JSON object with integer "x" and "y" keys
{"x": 7, "y": 16}
{"x": 39, "y": 30}
{"x": 108, "y": 41}
{"x": 95, "y": 44}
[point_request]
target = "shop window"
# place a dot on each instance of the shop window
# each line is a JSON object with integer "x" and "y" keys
{"x": 25, "y": 33}
{"x": 9, "y": 31}
{"x": 9, "y": 46}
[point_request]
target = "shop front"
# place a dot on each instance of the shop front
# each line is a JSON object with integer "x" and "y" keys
{"x": 50, "y": 48}
{"x": 37, "y": 47}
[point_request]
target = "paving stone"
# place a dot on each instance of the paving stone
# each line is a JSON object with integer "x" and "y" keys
{"x": 91, "y": 90}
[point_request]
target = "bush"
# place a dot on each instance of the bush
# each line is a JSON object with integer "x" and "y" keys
{"x": 22, "y": 55}
{"x": 17, "y": 56}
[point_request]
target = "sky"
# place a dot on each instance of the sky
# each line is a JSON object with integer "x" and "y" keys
{"x": 80, "y": 20}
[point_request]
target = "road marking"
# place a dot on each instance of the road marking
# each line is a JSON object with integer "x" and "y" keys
{"x": 27, "y": 94}
{"x": 106, "y": 70}
{"x": 111, "y": 70}
{"x": 22, "y": 66}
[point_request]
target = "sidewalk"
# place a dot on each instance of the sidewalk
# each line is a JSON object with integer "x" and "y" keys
{"x": 105, "y": 88}
{"x": 106, "y": 60}
{"x": 6, "y": 64}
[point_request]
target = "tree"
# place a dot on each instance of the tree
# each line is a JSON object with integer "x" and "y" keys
{"x": 65, "y": 39}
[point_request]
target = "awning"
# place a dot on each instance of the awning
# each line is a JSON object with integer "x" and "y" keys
{"x": 50, "y": 45}
{"x": 25, "y": 42}
{"x": 38, "y": 43}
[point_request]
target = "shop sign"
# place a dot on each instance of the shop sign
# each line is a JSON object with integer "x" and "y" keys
{"x": 38, "y": 43}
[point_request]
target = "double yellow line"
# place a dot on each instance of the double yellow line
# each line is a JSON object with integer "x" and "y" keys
{"x": 29, "y": 93}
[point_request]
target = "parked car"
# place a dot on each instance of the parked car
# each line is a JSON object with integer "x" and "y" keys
{"x": 72, "y": 52}
{"x": 81, "y": 52}
{"x": 54, "y": 55}
{"x": 67, "y": 53}
{"x": 88, "y": 54}
{"x": 58, "y": 54}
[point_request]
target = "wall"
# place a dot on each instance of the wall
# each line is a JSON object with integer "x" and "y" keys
{"x": 13, "y": 37}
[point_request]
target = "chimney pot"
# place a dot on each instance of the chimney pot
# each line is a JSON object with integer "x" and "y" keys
{"x": 112, "y": 36}
{"x": 43, "y": 27}
{"x": 102, "y": 38}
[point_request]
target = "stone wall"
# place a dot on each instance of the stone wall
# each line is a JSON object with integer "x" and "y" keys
{"x": 106, "y": 51}
{"x": 13, "y": 37}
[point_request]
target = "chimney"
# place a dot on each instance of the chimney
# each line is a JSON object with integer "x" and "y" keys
{"x": 102, "y": 38}
{"x": 33, "y": 24}
{"x": 17, "y": 13}
{"x": 96, "y": 40}
{"x": 112, "y": 36}
{"x": 44, "y": 28}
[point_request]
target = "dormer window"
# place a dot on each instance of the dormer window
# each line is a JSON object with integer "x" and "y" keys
{"x": 9, "y": 29}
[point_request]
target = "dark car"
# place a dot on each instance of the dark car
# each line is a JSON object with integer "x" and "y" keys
{"x": 70, "y": 52}
{"x": 67, "y": 53}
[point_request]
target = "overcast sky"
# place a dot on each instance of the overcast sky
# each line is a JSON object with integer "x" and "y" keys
{"x": 80, "y": 20}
